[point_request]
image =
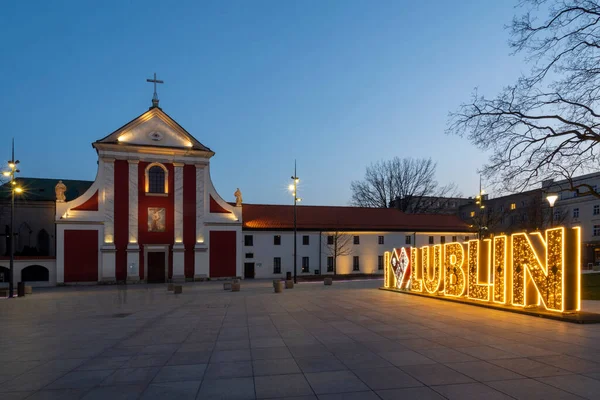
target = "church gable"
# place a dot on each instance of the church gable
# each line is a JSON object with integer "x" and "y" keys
{"x": 154, "y": 128}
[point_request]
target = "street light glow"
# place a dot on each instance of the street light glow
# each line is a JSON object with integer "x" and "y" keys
{"x": 6, "y": 173}
{"x": 551, "y": 197}
{"x": 11, "y": 165}
{"x": 291, "y": 187}
{"x": 18, "y": 190}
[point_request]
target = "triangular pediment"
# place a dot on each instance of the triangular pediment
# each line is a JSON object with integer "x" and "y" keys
{"x": 154, "y": 128}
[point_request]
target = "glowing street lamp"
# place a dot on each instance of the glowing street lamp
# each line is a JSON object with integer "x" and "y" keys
{"x": 551, "y": 197}
{"x": 12, "y": 165}
{"x": 294, "y": 189}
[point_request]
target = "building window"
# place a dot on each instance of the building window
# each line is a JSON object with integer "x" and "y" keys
{"x": 472, "y": 213}
{"x": 513, "y": 206}
{"x": 513, "y": 219}
{"x": 502, "y": 208}
{"x": 355, "y": 264}
{"x": 454, "y": 238}
{"x": 596, "y": 209}
{"x": 442, "y": 239}
{"x": 156, "y": 178}
{"x": 407, "y": 240}
{"x": 466, "y": 238}
{"x": 596, "y": 230}
{"x": 356, "y": 239}
{"x": 576, "y": 213}
{"x": 557, "y": 215}
{"x": 277, "y": 240}
{"x": 380, "y": 262}
{"x": 305, "y": 265}
{"x": 523, "y": 217}
{"x": 305, "y": 240}
{"x": 330, "y": 239}
{"x": 276, "y": 265}
{"x": 329, "y": 264}
{"x": 249, "y": 255}
{"x": 380, "y": 240}
{"x": 248, "y": 240}
{"x": 430, "y": 239}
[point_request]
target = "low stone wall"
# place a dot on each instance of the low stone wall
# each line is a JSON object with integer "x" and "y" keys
{"x": 21, "y": 263}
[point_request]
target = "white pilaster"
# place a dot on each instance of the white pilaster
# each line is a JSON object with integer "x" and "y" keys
{"x": 108, "y": 249}
{"x": 200, "y": 250}
{"x": 133, "y": 201}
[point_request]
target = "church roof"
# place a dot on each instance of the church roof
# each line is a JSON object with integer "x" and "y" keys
{"x": 328, "y": 218}
{"x": 180, "y": 138}
{"x": 42, "y": 189}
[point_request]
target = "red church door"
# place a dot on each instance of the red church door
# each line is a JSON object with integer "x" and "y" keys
{"x": 222, "y": 254}
{"x": 156, "y": 267}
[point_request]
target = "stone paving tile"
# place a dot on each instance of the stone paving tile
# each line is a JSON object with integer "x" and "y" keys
{"x": 232, "y": 344}
{"x": 281, "y": 386}
{"x": 103, "y": 363}
{"x": 266, "y": 342}
{"x": 80, "y": 379}
{"x": 530, "y": 389}
{"x": 59, "y": 394}
{"x": 363, "y": 360}
{"x": 232, "y": 388}
{"x": 147, "y": 360}
{"x": 420, "y": 393}
{"x": 486, "y": 352}
{"x": 281, "y": 366}
{"x": 314, "y": 350}
{"x": 131, "y": 376}
{"x": 172, "y": 373}
{"x": 435, "y": 374}
{"x": 580, "y": 385}
{"x": 406, "y": 357}
{"x": 121, "y": 392}
{"x": 219, "y": 356}
{"x": 190, "y": 357}
{"x": 171, "y": 390}
{"x": 269, "y": 353}
{"x": 237, "y": 369}
{"x": 483, "y": 371}
{"x": 335, "y": 382}
{"x": 350, "y": 396}
{"x": 470, "y": 391}
{"x": 446, "y": 355}
{"x": 320, "y": 364}
{"x": 386, "y": 378}
{"x": 573, "y": 364}
{"x": 530, "y": 368}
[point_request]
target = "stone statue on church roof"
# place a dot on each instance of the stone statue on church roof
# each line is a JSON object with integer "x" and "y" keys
{"x": 60, "y": 190}
{"x": 238, "y": 198}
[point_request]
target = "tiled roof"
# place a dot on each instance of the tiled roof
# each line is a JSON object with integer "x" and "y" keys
{"x": 42, "y": 189}
{"x": 281, "y": 217}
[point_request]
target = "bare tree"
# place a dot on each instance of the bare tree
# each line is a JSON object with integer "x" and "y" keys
{"x": 548, "y": 122}
{"x": 408, "y": 184}
{"x": 337, "y": 244}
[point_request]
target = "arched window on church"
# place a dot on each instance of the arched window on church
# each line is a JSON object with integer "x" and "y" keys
{"x": 156, "y": 179}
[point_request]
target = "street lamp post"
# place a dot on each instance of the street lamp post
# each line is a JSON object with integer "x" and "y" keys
{"x": 12, "y": 170}
{"x": 294, "y": 189}
{"x": 551, "y": 197}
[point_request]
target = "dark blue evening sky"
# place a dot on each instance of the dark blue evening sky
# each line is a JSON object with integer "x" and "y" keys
{"x": 335, "y": 84}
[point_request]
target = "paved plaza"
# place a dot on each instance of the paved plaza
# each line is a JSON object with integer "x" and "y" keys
{"x": 346, "y": 341}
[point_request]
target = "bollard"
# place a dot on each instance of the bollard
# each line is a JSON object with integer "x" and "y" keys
{"x": 278, "y": 286}
{"x": 328, "y": 281}
{"x": 289, "y": 284}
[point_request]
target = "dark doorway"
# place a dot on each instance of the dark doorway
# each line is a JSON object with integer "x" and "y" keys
{"x": 35, "y": 273}
{"x": 156, "y": 267}
{"x": 248, "y": 270}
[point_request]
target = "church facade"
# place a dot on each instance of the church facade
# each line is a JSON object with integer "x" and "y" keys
{"x": 152, "y": 214}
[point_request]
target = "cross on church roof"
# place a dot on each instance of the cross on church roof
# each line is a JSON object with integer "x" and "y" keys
{"x": 155, "y": 97}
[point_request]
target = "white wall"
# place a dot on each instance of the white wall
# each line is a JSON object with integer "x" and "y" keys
{"x": 368, "y": 250}
{"x": 19, "y": 265}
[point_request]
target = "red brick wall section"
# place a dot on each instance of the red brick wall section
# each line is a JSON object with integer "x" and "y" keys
{"x": 90, "y": 204}
{"x": 166, "y": 202}
{"x": 81, "y": 255}
{"x": 189, "y": 218}
{"x": 222, "y": 254}
{"x": 121, "y": 217}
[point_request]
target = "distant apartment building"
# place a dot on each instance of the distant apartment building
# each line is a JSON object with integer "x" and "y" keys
{"x": 429, "y": 204}
{"x": 580, "y": 208}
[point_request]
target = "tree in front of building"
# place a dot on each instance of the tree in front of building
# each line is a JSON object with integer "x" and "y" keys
{"x": 547, "y": 123}
{"x": 408, "y": 184}
{"x": 338, "y": 244}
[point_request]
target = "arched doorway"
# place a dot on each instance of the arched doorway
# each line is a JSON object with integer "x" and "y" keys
{"x": 35, "y": 273}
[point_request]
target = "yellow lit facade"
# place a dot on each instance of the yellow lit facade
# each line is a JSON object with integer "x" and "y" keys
{"x": 523, "y": 270}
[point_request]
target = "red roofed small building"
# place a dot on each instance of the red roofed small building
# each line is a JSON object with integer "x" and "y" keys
{"x": 360, "y": 236}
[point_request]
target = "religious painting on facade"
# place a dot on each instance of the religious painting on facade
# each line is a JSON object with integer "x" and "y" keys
{"x": 156, "y": 219}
